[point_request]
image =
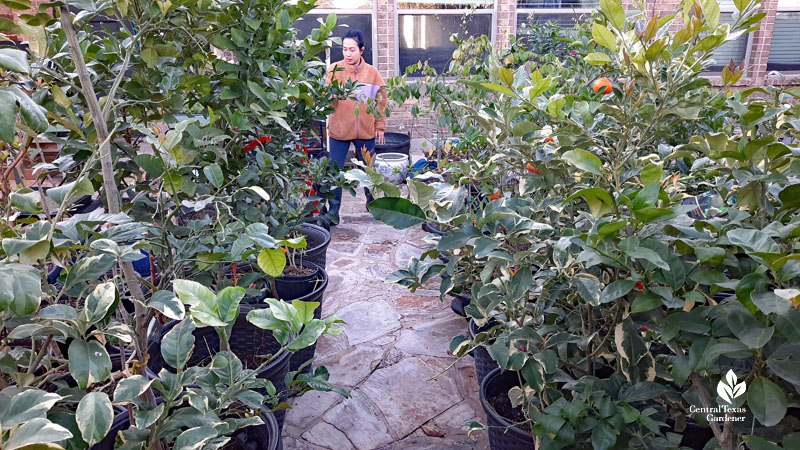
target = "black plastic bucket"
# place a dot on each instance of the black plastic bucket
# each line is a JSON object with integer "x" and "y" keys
{"x": 502, "y": 435}
{"x": 294, "y": 287}
{"x": 395, "y": 143}
{"x": 317, "y": 241}
{"x": 483, "y": 362}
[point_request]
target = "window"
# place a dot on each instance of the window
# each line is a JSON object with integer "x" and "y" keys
{"x": 734, "y": 50}
{"x": 784, "y": 51}
{"x": 361, "y": 22}
{"x": 566, "y": 13}
{"x": 424, "y": 28}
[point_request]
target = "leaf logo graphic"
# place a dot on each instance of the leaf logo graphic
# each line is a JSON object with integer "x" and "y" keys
{"x": 728, "y": 389}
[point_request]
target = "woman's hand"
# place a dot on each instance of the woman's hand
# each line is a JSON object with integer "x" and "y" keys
{"x": 379, "y": 135}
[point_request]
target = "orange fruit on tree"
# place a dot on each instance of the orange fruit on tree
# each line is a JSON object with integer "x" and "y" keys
{"x": 602, "y": 83}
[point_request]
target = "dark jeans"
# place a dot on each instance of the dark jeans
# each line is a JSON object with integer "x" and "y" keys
{"x": 338, "y": 151}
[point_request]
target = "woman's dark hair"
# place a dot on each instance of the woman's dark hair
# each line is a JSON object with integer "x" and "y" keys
{"x": 357, "y": 36}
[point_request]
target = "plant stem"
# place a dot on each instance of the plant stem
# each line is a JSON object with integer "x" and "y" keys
{"x": 705, "y": 399}
{"x": 41, "y": 353}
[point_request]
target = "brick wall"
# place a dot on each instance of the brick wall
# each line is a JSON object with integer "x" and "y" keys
{"x": 506, "y": 21}
{"x": 385, "y": 30}
{"x": 756, "y": 67}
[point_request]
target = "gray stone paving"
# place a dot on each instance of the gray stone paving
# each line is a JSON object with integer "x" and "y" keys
{"x": 391, "y": 356}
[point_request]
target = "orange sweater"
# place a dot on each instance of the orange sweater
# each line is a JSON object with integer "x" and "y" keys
{"x": 343, "y": 124}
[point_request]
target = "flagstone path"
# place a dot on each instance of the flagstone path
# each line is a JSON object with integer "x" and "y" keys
{"x": 394, "y": 346}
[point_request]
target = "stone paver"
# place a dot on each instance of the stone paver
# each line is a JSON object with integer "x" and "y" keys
{"x": 362, "y": 421}
{"x": 391, "y": 355}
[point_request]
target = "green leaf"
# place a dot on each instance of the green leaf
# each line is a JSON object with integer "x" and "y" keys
{"x": 604, "y": 37}
{"x": 614, "y": 12}
{"x": 23, "y": 406}
{"x": 767, "y": 401}
{"x": 26, "y": 200}
{"x": 89, "y": 269}
{"x": 20, "y": 288}
{"x": 420, "y": 193}
{"x": 15, "y": 60}
{"x": 599, "y": 201}
{"x": 214, "y": 174}
{"x": 272, "y": 261}
{"x": 194, "y": 438}
{"x": 265, "y": 319}
{"x": 130, "y": 388}
{"x": 711, "y": 13}
{"x": 94, "y": 416}
{"x": 177, "y": 345}
{"x": 8, "y": 116}
{"x": 498, "y": 88}
{"x": 33, "y": 114}
{"x": 145, "y": 417}
{"x": 597, "y": 58}
{"x": 758, "y": 443}
{"x": 771, "y": 303}
{"x": 692, "y": 322}
{"x": 397, "y": 212}
{"x": 37, "y": 431}
{"x": 588, "y": 287}
{"x": 305, "y": 310}
{"x": 311, "y": 332}
{"x": 616, "y": 289}
{"x": 603, "y": 437}
{"x": 646, "y": 302}
{"x": 151, "y": 164}
{"x": 99, "y": 302}
{"x": 710, "y": 255}
{"x": 88, "y": 362}
{"x": 168, "y": 304}
{"x": 747, "y": 328}
{"x": 228, "y": 303}
{"x": 584, "y": 160}
{"x": 753, "y": 240}
{"x": 193, "y": 293}
{"x": 651, "y": 173}
{"x": 642, "y": 391}
{"x": 647, "y": 197}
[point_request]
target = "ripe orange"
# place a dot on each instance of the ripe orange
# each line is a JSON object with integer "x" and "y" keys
{"x": 602, "y": 83}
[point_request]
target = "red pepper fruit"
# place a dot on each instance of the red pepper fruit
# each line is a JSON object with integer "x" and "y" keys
{"x": 255, "y": 142}
{"x": 531, "y": 168}
{"x": 549, "y": 140}
{"x": 644, "y": 328}
{"x": 639, "y": 286}
{"x": 496, "y": 196}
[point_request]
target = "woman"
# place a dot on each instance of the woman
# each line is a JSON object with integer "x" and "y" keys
{"x": 344, "y": 126}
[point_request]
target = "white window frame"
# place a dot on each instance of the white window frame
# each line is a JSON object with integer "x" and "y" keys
{"x": 785, "y": 9}
{"x": 372, "y": 12}
{"x": 439, "y": 12}
{"x": 565, "y": 11}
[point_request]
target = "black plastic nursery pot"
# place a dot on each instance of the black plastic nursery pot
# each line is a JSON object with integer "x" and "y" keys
{"x": 502, "y": 435}
{"x": 395, "y": 143}
{"x": 290, "y": 287}
{"x": 258, "y": 437}
{"x": 316, "y": 295}
{"x": 247, "y": 341}
{"x": 458, "y": 304}
{"x": 484, "y": 363}
{"x": 317, "y": 241}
